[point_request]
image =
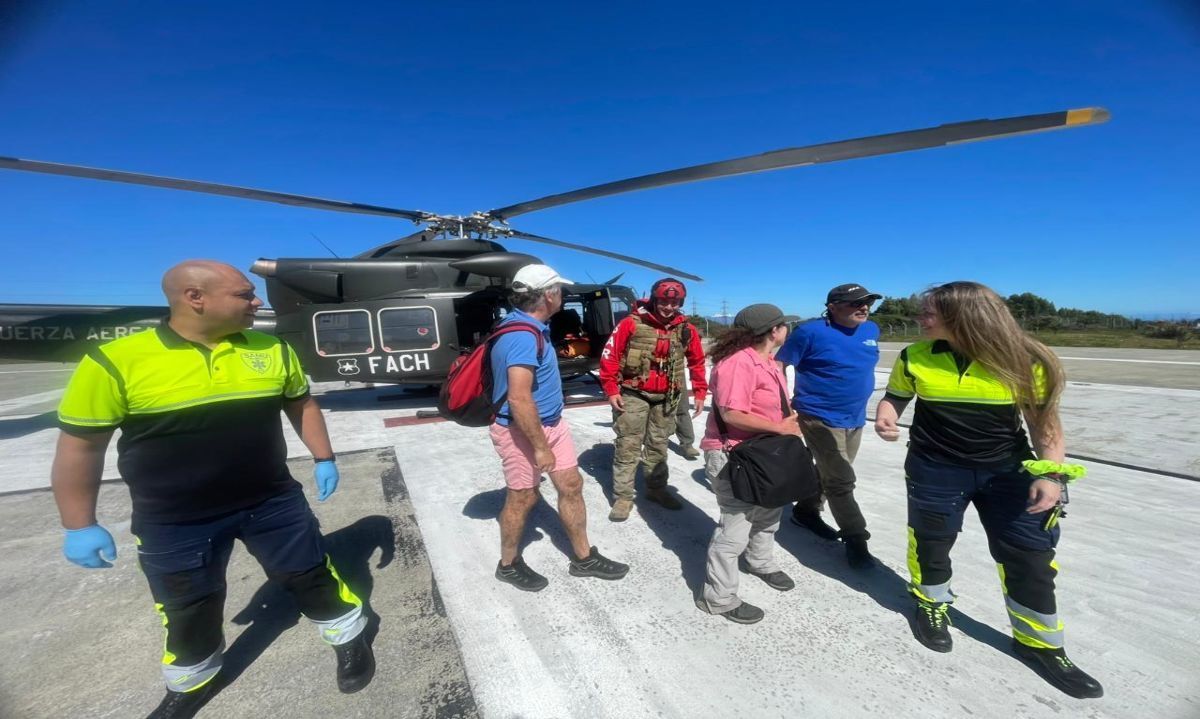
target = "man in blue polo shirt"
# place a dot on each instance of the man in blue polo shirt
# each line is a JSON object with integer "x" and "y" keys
{"x": 531, "y": 436}
{"x": 834, "y": 358}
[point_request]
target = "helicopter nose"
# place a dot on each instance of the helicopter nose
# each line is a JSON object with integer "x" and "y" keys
{"x": 263, "y": 267}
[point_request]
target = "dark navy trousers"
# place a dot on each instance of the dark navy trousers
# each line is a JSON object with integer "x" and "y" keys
{"x": 1023, "y": 549}
{"x": 185, "y": 566}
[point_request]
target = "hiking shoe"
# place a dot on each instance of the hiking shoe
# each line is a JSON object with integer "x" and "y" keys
{"x": 811, "y": 520}
{"x": 521, "y": 576}
{"x": 741, "y": 614}
{"x": 664, "y": 498}
{"x": 933, "y": 626}
{"x": 355, "y": 664}
{"x": 776, "y": 580}
{"x": 597, "y": 565}
{"x": 181, "y": 705}
{"x": 620, "y": 510}
{"x": 689, "y": 452}
{"x": 1061, "y": 672}
{"x": 857, "y": 554}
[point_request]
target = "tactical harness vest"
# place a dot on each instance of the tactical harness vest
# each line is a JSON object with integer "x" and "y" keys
{"x": 640, "y": 356}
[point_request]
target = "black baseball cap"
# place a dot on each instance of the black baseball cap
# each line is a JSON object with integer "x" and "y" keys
{"x": 761, "y": 318}
{"x": 851, "y": 293}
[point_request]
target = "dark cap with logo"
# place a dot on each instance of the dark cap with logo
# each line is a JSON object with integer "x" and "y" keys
{"x": 851, "y": 293}
{"x": 759, "y": 319}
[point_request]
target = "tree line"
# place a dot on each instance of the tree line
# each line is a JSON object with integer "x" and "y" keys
{"x": 1039, "y": 314}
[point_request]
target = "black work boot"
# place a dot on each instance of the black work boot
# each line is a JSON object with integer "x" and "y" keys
{"x": 933, "y": 626}
{"x": 181, "y": 705}
{"x": 1055, "y": 668}
{"x": 355, "y": 664}
{"x": 811, "y": 520}
{"x": 857, "y": 554}
{"x": 521, "y": 576}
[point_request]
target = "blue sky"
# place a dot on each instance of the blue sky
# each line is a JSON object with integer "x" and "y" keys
{"x": 454, "y": 107}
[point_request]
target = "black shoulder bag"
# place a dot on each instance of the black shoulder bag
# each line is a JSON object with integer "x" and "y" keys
{"x": 769, "y": 470}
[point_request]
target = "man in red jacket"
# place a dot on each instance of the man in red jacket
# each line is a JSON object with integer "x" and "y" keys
{"x": 642, "y": 371}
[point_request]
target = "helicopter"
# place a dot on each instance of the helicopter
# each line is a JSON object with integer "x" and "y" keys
{"x": 401, "y": 312}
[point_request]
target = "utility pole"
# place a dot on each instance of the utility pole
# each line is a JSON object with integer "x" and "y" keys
{"x": 725, "y": 312}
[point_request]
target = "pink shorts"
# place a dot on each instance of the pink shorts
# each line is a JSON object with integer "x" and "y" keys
{"x": 516, "y": 453}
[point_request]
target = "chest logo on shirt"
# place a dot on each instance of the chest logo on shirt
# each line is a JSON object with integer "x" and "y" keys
{"x": 871, "y": 343}
{"x": 259, "y": 362}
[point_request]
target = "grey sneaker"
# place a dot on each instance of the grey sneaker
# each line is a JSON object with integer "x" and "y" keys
{"x": 597, "y": 565}
{"x": 521, "y": 576}
{"x": 741, "y": 614}
{"x": 777, "y": 580}
{"x": 689, "y": 452}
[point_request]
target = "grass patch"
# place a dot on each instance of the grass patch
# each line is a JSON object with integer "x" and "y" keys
{"x": 1129, "y": 339}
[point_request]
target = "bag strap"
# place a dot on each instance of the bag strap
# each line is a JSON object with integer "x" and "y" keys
{"x": 518, "y": 326}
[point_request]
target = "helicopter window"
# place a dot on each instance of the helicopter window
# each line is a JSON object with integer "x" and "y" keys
{"x": 343, "y": 332}
{"x": 619, "y": 309}
{"x": 405, "y": 329}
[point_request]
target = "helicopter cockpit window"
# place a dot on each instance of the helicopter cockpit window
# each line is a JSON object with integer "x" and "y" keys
{"x": 407, "y": 329}
{"x": 343, "y": 332}
{"x": 619, "y": 309}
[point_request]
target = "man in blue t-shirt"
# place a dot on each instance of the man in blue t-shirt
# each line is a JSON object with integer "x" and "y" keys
{"x": 834, "y": 359}
{"x": 531, "y": 436}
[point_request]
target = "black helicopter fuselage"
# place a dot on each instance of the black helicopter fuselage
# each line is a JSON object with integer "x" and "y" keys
{"x": 400, "y": 317}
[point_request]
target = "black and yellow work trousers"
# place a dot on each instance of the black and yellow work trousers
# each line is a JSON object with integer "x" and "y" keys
{"x": 185, "y": 565}
{"x": 1020, "y": 543}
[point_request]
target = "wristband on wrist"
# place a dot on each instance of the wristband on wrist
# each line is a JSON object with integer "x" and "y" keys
{"x": 330, "y": 458}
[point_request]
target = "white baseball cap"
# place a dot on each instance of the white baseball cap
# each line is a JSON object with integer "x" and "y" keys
{"x": 531, "y": 278}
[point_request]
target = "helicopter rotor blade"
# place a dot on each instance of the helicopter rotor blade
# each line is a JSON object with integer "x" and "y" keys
{"x": 605, "y": 253}
{"x": 134, "y": 178}
{"x": 894, "y": 142}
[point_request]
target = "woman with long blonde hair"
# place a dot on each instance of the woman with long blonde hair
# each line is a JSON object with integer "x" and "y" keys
{"x": 975, "y": 378}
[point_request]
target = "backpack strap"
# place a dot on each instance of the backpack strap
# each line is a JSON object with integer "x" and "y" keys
{"x": 520, "y": 327}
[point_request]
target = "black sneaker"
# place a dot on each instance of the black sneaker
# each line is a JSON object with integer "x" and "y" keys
{"x": 741, "y": 614}
{"x": 744, "y": 614}
{"x": 182, "y": 705}
{"x": 777, "y": 580}
{"x": 597, "y": 565}
{"x": 521, "y": 576}
{"x": 1061, "y": 672}
{"x": 811, "y": 520}
{"x": 933, "y": 626}
{"x": 355, "y": 664}
{"x": 857, "y": 554}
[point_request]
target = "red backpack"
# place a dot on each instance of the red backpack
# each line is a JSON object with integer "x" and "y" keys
{"x": 466, "y": 396}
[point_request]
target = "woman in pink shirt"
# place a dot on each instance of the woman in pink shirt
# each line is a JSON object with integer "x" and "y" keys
{"x": 749, "y": 390}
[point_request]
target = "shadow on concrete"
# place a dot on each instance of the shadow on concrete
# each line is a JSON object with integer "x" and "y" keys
{"x": 271, "y": 611}
{"x": 685, "y": 532}
{"x": 882, "y": 584}
{"x": 543, "y": 520}
{"x": 700, "y": 477}
{"x": 21, "y": 426}
{"x": 386, "y": 397}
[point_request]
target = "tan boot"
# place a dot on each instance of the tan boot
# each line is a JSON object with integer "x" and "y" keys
{"x": 620, "y": 510}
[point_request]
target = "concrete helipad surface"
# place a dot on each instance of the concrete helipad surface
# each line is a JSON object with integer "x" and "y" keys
{"x": 454, "y": 642}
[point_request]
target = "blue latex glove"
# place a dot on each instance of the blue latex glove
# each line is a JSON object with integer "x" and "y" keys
{"x": 326, "y": 474}
{"x": 89, "y": 547}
